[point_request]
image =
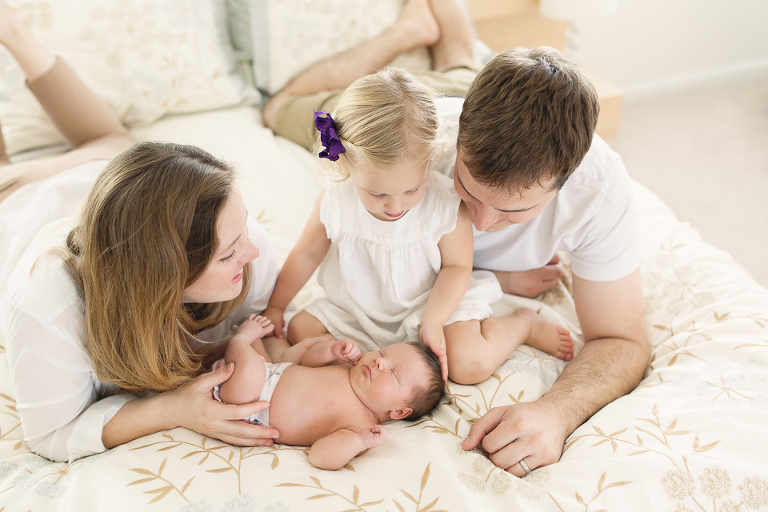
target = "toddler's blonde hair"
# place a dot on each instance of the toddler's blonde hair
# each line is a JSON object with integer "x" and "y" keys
{"x": 382, "y": 118}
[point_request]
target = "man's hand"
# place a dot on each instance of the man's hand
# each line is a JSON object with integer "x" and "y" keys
{"x": 530, "y": 283}
{"x": 530, "y": 431}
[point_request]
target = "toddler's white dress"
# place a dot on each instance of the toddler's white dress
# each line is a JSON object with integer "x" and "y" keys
{"x": 377, "y": 275}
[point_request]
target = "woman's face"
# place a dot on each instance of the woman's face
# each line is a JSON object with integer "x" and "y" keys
{"x": 223, "y": 279}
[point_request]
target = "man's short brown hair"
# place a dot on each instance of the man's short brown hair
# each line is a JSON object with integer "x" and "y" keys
{"x": 528, "y": 117}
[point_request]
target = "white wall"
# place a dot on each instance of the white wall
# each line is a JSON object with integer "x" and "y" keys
{"x": 652, "y": 47}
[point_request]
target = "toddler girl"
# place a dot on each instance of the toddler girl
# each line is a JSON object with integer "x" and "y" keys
{"x": 396, "y": 243}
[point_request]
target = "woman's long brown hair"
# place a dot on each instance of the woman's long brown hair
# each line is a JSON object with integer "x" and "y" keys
{"x": 147, "y": 232}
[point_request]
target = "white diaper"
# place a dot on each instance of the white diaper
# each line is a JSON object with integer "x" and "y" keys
{"x": 274, "y": 372}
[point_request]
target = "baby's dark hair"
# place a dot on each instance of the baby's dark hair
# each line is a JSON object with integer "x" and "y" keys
{"x": 424, "y": 399}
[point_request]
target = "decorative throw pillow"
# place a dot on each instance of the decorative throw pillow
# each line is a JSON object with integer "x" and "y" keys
{"x": 290, "y": 35}
{"x": 145, "y": 58}
{"x": 239, "y": 25}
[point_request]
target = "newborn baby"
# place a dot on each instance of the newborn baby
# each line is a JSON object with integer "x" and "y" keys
{"x": 325, "y": 394}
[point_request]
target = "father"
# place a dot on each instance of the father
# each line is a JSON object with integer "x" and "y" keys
{"x": 536, "y": 180}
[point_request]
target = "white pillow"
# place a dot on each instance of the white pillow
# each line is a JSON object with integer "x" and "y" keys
{"x": 145, "y": 58}
{"x": 290, "y": 35}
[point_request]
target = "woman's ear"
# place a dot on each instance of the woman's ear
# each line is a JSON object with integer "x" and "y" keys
{"x": 400, "y": 413}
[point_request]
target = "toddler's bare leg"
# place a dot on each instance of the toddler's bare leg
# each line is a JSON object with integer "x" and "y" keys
{"x": 477, "y": 349}
{"x": 303, "y": 326}
{"x": 415, "y": 27}
{"x": 457, "y": 36}
{"x": 275, "y": 348}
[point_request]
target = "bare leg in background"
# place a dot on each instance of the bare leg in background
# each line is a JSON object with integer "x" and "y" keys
{"x": 93, "y": 131}
{"x": 443, "y": 25}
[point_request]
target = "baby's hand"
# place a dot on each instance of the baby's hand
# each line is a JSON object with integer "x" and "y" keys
{"x": 434, "y": 338}
{"x": 276, "y": 316}
{"x": 346, "y": 350}
{"x": 255, "y": 328}
{"x": 373, "y": 437}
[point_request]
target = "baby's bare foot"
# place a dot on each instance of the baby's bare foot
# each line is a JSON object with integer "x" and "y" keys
{"x": 418, "y": 24}
{"x": 256, "y": 327}
{"x": 547, "y": 336}
{"x": 266, "y": 325}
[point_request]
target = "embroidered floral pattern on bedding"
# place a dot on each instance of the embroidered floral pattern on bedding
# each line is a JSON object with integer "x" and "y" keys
{"x": 671, "y": 444}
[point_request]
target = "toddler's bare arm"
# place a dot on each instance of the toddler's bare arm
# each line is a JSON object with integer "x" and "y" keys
{"x": 450, "y": 286}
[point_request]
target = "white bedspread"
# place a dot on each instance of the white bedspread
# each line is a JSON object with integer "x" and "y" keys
{"x": 692, "y": 436}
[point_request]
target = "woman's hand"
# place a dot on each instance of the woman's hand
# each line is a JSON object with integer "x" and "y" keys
{"x": 192, "y": 406}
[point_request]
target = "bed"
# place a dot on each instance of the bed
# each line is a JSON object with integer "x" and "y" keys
{"x": 692, "y": 436}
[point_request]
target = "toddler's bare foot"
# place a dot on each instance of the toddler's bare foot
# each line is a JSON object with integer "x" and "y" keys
{"x": 418, "y": 24}
{"x": 547, "y": 336}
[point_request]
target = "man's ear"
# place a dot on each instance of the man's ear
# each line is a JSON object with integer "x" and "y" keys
{"x": 400, "y": 413}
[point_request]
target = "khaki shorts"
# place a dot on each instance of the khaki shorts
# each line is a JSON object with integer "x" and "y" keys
{"x": 294, "y": 121}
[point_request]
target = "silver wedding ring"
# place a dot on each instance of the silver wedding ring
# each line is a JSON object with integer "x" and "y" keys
{"x": 524, "y": 466}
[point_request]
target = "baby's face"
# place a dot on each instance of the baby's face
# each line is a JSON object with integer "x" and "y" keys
{"x": 385, "y": 380}
{"x": 389, "y": 194}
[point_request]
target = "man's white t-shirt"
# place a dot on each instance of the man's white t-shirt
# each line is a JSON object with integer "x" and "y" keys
{"x": 593, "y": 217}
{"x": 62, "y": 404}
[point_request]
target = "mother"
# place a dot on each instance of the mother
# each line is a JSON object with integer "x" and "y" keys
{"x": 123, "y": 302}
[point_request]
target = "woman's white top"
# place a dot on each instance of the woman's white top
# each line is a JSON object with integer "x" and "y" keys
{"x": 377, "y": 275}
{"x": 62, "y": 404}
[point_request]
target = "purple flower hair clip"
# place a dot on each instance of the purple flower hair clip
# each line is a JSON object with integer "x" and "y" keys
{"x": 328, "y": 136}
